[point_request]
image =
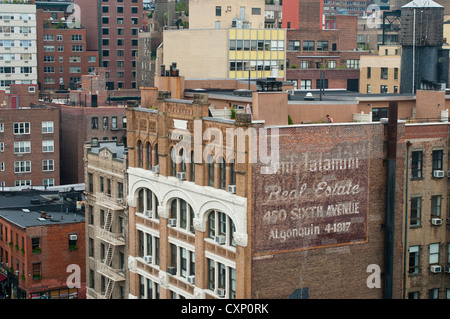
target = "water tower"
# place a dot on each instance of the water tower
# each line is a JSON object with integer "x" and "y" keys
{"x": 424, "y": 63}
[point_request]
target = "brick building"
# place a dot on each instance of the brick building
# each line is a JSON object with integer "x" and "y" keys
{"x": 113, "y": 31}
{"x": 235, "y": 229}
{"x": 328, "y": 54}
{"x": 107, "y": 221}
{"x": 41, "y": 252}
{"x": 29, "y": 146}
{"x": 19, "y": 95}
{"x": 80, "y": 124}
{"x": 62, "y": 48}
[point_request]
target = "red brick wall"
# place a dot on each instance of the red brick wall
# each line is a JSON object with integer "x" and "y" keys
{"x": 334, "y": 264}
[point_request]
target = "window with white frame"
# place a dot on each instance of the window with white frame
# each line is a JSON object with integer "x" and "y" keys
{"x": 182, "y": 260}
{"x": 21, "y": 128}
{"x": 414, "y": 265}
{"x": 47, "y": 182}
{"x": 48, "y": 146}
{"x": 434, "y": 253}
{"x": 221, "y": 228}
{"x": 2, "y": 127}
{"x": 23, "y": 183}
{"x": 48, "y": 165}
{"x": 148, "y": 247}
{"x": 47, "y": 127}
{"x": 22, "y": 147}
{"x": 221, "y": 279}
{"x": 2, "y": 147}
{"x": 147, "y": 203}
{"x": 305, "y": 84}
{"x": 148, "y": 289}
{"x": 22, "y": 166}
{"x": 182, "y": 214}
{"x": 2, "y": 166}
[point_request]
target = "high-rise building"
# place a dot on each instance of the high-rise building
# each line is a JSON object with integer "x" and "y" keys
{"x": 113, "y": 30}
{"x": 18, "y": 46}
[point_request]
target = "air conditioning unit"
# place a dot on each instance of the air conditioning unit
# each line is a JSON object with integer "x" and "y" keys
{"x": 148, "y": 259}
{"x": 448, "y": 174}
{"x": 155, "y": 169}
{"x": 172, "y": 270}
{"x": 438, "y": 174}
{"x": 220, "y": 239}
{"x": 181, "y": 176}
{"x": 435, "y": 269}
{"x": 232, "y": 189}
{"x": 191, "y": 279}
{"x": 17, "y": 273}
{"x": 447, "y": 269}
{"x": 436, "y": 221}
{"x": 220, "y": 293}
{"x": 148, "y": 213}
{"x": 120, "y": 201}
{"x": 172, "y": 222}
{"x": 105, "y": 127}
{"x": 73, "y": 237}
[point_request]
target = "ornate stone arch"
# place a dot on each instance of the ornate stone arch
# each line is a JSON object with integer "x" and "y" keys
{"x": 142, "y": 183}
{"x": 177, "y": 193}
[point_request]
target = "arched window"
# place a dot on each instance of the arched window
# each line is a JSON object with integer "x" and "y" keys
{"x": 232, "y": 173}
{"x": 156, "y": 155}
{"x": 147, "y": 203}
{"x": 173, "y": 163}
{"x": 192, "y": 165}
{"x": 183, "y": 161}
{"x": 222, "y": 173}
{"x": 140, "y": 154}
{"x": 210, "y": 170}
{"x": 149, "y": 155}
{"x": 181, "y": 215}
{"x": 221, "y": 228}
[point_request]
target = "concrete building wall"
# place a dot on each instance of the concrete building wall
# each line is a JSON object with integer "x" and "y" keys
{"x": 203, "y": 13}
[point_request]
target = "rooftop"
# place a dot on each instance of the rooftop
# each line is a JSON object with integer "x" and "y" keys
{"x": 28, "y": 218}
{"x": 116, "y": 149}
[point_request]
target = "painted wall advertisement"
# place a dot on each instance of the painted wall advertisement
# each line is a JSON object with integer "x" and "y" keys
{"x": 317, "y": 198}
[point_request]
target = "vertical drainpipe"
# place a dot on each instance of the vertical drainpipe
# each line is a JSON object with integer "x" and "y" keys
{"x": 390, "y": 200}
{"x": 405, "y": 256}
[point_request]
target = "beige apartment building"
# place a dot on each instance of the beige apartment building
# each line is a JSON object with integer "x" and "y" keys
{"x": 207, "y": 14}
{"x": 226, "y": 53}
{"x": 381, "y": 73}
{"x": 106, "y": 220}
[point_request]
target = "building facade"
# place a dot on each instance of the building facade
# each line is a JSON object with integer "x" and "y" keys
{"x": 29, "y": 147}
{"x": 38, "y": 252}
{"x": 381, "y": 73}
{"x": 63, "y": 54}
{"x": 107, "y": 221}
{"x": 113, "y": 31}
{"x": 18, "y": 44}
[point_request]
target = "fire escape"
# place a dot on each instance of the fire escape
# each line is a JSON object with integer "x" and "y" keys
{"x": 112, "y": 240}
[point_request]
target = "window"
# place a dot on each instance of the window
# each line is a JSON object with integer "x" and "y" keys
{"x": 149, "y": 247}
{"x": 256, "y": 11}
{"x": 332, "y": 64}
{"x": 369, "y": 72}
{"x": 322, "y": 83}
{"x": 218, "y": 11}
{"x": 383, "y": 89}
{"x": 182, "y": 260}
{"x": 21, "y": 128}
{"x": 183, "y": 213}
{"x": 47, "y": 182}
{"x": 395, "y": 73}
{"x": 322, "y": 45}
{"x": 352, "y": 64}
{"x": 416, "y": 164}
{"x": 436, "y": 205}
{"x": 437, "y": 157}
{"x": 222, "y": 173}
{"x": 48, "y": 146}
{"x": 75, "y": 59}
{"x": 75, "y": 69}
{"x": 49, "y": 69}
{"x": 210, "y": 168}
{"x": 414, "y": 260}
{"x": 416, "y": 204}
{"x": 48, "y": 165}
{"x": 384, "y": 73}
{"x": 147, "y": 203}
{"x": 308, "y": 45}
{"x": 77, "y": 48}
{"x": 94, "y": 123}
{"x": 221, "y": 228}
{"x": 140, "y": 154}
{"x": 221, "y": 279}
{"x": 77, "y": 37}
{"x": 433, "y": 293}
{"x": 22, "y": 166}
{"x": 434, "y": 254}
{"x": 305, "y": 84}
{"x": 91, "y": 182}
{"x": 294, "y": 45}
{"x": 304, "y": 64}
{"x": 22, "y": 147}
{"x": 73, "y": 241}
